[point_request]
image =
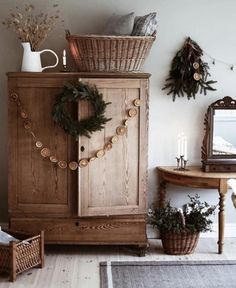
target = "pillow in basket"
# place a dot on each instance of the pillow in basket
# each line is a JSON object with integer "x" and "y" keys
{"x": 119, "y": 25}
{"x": 145, "y": 25}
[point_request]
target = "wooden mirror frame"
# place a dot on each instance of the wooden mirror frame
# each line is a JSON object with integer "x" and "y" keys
{"x": 211, "y": 162}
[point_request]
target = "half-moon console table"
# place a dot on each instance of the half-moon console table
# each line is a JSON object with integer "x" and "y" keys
{"x": 196, "y": 178}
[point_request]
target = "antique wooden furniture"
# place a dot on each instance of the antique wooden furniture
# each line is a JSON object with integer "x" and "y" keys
{"x": 197, "y": 179}
{"x": 102, "y": 203}
{"x": 19, "y": 256}
{"x": 219, "y": 143}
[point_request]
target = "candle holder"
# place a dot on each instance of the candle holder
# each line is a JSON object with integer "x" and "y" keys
{"x": 64, "y": 68}
{"x": 181, "y": 163}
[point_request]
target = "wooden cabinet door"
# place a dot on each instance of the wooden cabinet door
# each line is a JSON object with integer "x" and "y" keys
{"x": 116, "y": 183}
{"x": 36, "y": 186}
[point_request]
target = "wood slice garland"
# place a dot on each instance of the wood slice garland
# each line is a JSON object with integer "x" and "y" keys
{"x": 73, "y": 165}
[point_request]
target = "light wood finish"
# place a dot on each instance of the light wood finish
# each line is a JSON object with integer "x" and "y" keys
{"x": 78, "y": 266}
{"x": 43, "y": 195}
{"x": 116, "y": 183}
{"x": 111, "y": 230}
{"x": 195, "y": 178}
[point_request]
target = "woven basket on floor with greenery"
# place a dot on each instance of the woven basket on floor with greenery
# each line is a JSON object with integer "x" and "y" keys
{"x": 179, "y": 243}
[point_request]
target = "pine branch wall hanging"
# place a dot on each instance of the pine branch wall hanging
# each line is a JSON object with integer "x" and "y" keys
{"x": 188, "y": 74}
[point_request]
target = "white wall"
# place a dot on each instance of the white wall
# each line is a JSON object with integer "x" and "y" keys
{"x": 212, "y": 24}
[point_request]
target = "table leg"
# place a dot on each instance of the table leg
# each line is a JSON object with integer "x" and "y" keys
{"x": 221, "y": 215}
{"x": 161, "y": 190}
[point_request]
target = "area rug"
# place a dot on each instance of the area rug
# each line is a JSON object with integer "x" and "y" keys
{"x": 166, "y": 274}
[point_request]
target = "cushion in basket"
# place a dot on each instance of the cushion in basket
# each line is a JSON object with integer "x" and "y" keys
{"x": 119, "y": 25}
{"x": 145, "y": 25}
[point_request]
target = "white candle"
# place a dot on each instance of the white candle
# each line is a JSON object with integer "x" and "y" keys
{"x": 178, "y": 151}
{"x": 185, "y": 148}
{"x": 64, "y": 58}
{"x": 182, "y": 144}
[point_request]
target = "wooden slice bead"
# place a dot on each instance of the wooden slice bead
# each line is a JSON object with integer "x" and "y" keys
{"x": 53, "y": 159}
{"x": 62, "y": 164}
{"x": 23, "y": 114}
{"x": 83, "y": 163}
{"x": 108, "y": 146}
{"x": 14, "y": 97}
{"x": 121, "y": 130}
{"x": 137, "y": 102}
{"x": 92, "y": 159}
{"x": 114, "y": 139}
{"x": 27, "y": 124}
{"x": 195, "y": 65}
{"x": 45, "y": 152}
{"x": 196, "y": 76}
{"x": 39, "y": 144}
{"x": 73, "y": 165}
{"x": 100, "y": 153}
{"x": 132, "y": 112}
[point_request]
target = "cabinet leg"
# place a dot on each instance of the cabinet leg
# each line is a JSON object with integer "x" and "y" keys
{"x": 142, "y": 250}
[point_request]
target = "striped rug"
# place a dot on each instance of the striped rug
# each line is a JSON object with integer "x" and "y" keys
{"x": 168, "y": 274}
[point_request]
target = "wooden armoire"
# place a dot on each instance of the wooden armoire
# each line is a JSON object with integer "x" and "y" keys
{"x": 102, "y": 203}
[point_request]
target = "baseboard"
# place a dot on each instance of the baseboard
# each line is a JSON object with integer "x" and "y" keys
{"x": 230, "y": 231}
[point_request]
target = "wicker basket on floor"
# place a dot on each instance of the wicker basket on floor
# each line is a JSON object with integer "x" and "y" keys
{"x": 109, "y": 53}
{"x": 19, "y": 256}
{"x": 179, "y": 243}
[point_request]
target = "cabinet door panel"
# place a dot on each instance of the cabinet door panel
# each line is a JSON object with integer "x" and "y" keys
{"x": 40, "y": 187}
{"x": 111, "y": 185}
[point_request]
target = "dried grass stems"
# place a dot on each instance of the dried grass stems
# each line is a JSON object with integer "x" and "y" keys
{"x": 31, "y": 27}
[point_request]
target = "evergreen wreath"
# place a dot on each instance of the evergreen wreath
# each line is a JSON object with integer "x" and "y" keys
{"x": 75, "y": 93}
{"x": 188, "y": 72}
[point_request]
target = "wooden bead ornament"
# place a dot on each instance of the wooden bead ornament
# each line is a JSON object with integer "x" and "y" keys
{"x": 83, "y": 163}
{"x": 137, "y": 102}
{"x": 62, "y": 164}
{"x": 121, "y": 130}
{"x": 132, "y": 112}
{"x": 100, "y": 153}
{"x": 45, "y": 152}
{"x": 73, "y": 165}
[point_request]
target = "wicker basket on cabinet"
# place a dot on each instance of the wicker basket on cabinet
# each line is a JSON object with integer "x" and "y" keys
{"x": 19, "y": 256}
{"x": 109, "y": 53}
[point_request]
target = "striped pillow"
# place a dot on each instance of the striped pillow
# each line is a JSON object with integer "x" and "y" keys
{"x": 145, "y": 25}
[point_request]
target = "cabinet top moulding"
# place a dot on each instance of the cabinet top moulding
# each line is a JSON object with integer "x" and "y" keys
{"x": 138, "y": 75}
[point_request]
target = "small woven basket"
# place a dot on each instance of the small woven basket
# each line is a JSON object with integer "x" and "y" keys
{"x": 19, "y": 256}
{"x": 179, "y": 243}
{"x": 109, "y": 53}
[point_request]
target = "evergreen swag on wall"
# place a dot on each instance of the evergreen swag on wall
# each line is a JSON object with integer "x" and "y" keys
{"x": 188, "y": 73}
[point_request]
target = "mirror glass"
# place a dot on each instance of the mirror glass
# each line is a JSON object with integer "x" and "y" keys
{"x": 224, "y": 132}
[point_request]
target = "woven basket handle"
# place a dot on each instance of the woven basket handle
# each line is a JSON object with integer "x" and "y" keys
{"x": 180, "y": 211}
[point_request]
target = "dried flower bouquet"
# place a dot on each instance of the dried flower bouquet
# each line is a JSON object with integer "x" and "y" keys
{"x": 31, "y": 27}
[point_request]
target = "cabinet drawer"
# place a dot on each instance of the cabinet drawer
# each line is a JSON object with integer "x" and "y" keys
{"x": 125, "y": 230}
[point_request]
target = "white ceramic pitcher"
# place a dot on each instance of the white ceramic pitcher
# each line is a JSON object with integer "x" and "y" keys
{"x": 32, "y": 61}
